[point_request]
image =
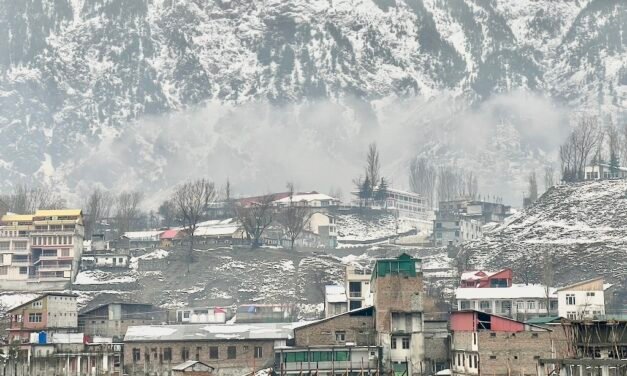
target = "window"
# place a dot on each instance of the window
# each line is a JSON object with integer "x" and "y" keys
{"x": 184, "y": 353}
{"x": 340, "y": 336}
{"x": 65, "y": 252}
{"x": 484, "y": 305}
{"x": 34, "y": 317}
{"x": 492, "y": 334}
{"x": 167, "y": 354}
{"x": 474, "y": 338}
{"x": 542, "y": 304}
{"x": 393, "y": 344}
{"x": 590, "y": 293}
{"x": 342, "y": 356}
{"x": 321, "y": 356}
{"x": 23, "y": 270}
{"x": 405, "y": 341}
{"x": 476, "y": 362}
{"x": 464, "y": 304}
{"x": 520, "y": 306}
{"x": 354, "y": 304}
{"x": 536, "y": 357}
{"x": 198, "y": 350}
{"x": 37, "y": 304}
{"x": 231, "y": 352}
{"x": 570, "y": 299}
{"x": 459, "y": 360}
{"x": 258, "y": 352}
{"x": 492, "y": 357}
{"x": 571, "y": 315}
{"x": 438, "y": 225}
{"x": 531, "y": 305}
{"x": 295, "y": 357}
{"x": 213, "y": 352}
{"x": 534, "y": 335}
{"x": 136, "y": 355}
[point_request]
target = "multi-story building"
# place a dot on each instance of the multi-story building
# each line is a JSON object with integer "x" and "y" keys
{"x": 358, "y": 286}
{"x": 113, "y": 319}
{"x": 486, "y": 344}
{"x": 521, "y": 302}
{"x": 484, "y": 279}
{"x": 42, "y": 249}
{"x": 397, "y": 289}
{"x": 197, "y": 315}
{"x": 582, "y": 300}
{"x": 334, "y": 300}
{"x": 449, "y": 229}
{"x": 51, "y": 312}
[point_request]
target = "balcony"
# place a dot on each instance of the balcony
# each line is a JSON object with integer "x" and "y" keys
{"x": 355, "y": 294}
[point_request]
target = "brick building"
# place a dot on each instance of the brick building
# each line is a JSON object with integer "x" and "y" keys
{"x": 485, "y": 344}
{"x": 52, "y": 312}
{"x": 229, "y": 349}
{"x": 397, "y": 289}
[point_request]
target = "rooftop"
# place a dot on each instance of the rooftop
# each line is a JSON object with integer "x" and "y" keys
{"x": 41, "y": 297}
{"x": 514, "y": 292}
{"x": 204, "y": 332}
{"x": 17, "y": 217}
{"x": 59, "y": 213}
{"x": 335, "y": 294}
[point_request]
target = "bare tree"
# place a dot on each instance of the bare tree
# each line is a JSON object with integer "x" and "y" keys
{"x": 547, "y": 277}
{"x": 373, "y": 165}
{"x": 26, "y": 200}
{"x": 577, "y": 151}
{"x": 191, "y": 201}
{"x": 533, "y": 187}
{"x": 613, "y": 146}
{"x": 127, "y": 210}
{"x": 294, "y": 217}
{"x": 255, "y": 218}
{"x": 471, "y": 188}
{"x": 549, "y": 177}
{"x": 97, "y": 207}
{"x": 422, "y": 179}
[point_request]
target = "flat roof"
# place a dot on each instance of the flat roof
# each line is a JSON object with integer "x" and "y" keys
{"x": 204, "y": 332}
{"x": 61, "y": 212}
{"x": 17, "y": 217}
{"x": 514, "y": 292}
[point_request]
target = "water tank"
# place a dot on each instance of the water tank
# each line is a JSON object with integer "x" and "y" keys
{"x": 43, "y": 338}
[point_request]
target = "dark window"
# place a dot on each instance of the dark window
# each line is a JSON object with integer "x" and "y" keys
{"x": 354, "y": 304}
{"x": 405, "y": 341}
{"x": 231, "y": 352}
{"x": 536, "y": 357}
{"x": 213, "y": 352}
{"x": 340, "y": 336}
{"x": 492, "y": 334}
{"x": 534, "y": 335}
{"x": 258, "y": 352}
{"x": 198, "y": 350}
{"x": 167, "y": 354}
{"x": 492, "y": 356}
{"x": 136, "y": 355}
{"x": 184, "y": 353}
{"x": 393, "y": 345}
{"x": 515, "y": 357}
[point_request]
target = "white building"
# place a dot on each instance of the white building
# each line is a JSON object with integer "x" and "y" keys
{"x": 582, "y": 300}
{"x": 334, "y": 300}
{"x": 311, "y": 199}
{"x": 201, "y": 315}
{"x": 358, "y": 286}
{"x": 520, "y": 302}
{"x": 603, "y": 171}
{"x": 454, "y": 230}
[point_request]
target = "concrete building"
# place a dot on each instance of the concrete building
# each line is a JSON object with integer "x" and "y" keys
{"x": 197, "y": 315}
{"x": 437, "y": 346}
{"x": 113, "y": 319}
{"x": 486, "y": 344}
{"x": 451, "y": 229}
{"x": 232, "y": 350}
{"x": 265, "y": 313}
{"x": 603, "y": 171}
{"x": 148, "y": 239}
{"x": 335, "y": 301}
{"x": 358, "y": 286}
{"x": 397, "y": 289}
{"x": 485, "y": 279}
{"x": 521, "y": 302}
{"x": 582, "y": 300}
{"x": 51, "y": 312}
{"x": 40, "y": 251}
{"x": 310, "y": 199}
{"x": 324, "y": 226}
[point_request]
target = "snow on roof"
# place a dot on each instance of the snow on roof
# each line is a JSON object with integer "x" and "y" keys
{"x": 190, "y": 332}
{"x": 307, "y": 196}
{"x": 473, "y": 275}
{"x": 335, "y": 294}
{"x": 514, "y": 292}
{"x": 169, "y": 234}
{"x": 216, "y": 230}
{"x": 215, "y": 222}
{"x": 188, "y": 363}
{"x": 143, "y": 235}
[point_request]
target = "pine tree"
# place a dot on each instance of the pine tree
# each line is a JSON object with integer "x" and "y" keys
{"x": 382, "y": 191}
{"x": 614, "y": 163}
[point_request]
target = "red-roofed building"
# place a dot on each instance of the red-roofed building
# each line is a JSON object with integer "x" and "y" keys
{"x": 483, "y": 279}
{"x": 167, "y": 237}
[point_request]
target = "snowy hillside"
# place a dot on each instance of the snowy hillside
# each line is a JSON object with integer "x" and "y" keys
{"x": 74, "y": 73}
{"x": 583, "y": 226}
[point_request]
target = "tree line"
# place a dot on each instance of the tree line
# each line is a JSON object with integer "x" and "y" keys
{"x": 440, "y": 182}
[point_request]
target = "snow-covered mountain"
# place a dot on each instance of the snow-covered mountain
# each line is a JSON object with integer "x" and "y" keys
{"x": 581, "y": 227}
{"x": 76, "y": 72}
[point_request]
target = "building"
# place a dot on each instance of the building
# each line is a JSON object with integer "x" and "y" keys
{"x": 521, "y": 302}
{"x": 358, "y": 286}
{"x": 595, "y": 347}
{"x": 483, "y": 279}
{"x": 482, "y": 211}
{"x": 397, "y": 289}
{"x": 229, "y": 349}
{"x": 437, "y": 346}
{"x": 192, "y": 368}
{"x": 342, "y": 343}
{"x": 51, "y": 312}
{"x": 582, "y": 300}
{"x": 195, "y": 315}
{"x": 265, "y": 313}
{"x": 215, "y": 232}
{"x": 149, "y": 239}
{"x": 311, "y": 199}
{"x": 603, "y": 171}
{"x": 169, "y": 236}
{"x": 486, "y": 344}
{"x": 324, "y": 226}
{"x": 42, "y": 249}
{"x": 450, "y": 230}
{"x": 113, "y": 319}
{"x": 335, "y": 301}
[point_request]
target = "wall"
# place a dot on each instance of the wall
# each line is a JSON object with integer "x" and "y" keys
{"x": 498, "y": 351}
{"x": 585, "y": 306}
{"x": 62, "y": 312}
{"x": 241, "y": 365}
{"x": 358, "y": 329}
{"x": 394, "y": 293}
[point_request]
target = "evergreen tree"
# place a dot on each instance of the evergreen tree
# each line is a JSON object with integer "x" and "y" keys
{"x": 614, "y": 164}
{"x": 382, "y": 191}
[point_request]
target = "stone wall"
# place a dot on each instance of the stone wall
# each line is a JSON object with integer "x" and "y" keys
{"x": 357, "y": 329}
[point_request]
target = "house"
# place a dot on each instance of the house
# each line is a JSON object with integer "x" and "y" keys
{"x": 311, "y": 199}
{"x": 229, "y": 349}
{"x": 521, "y": 302}
{"x": 483, "y": 279}
{"x": 148, "y": 239}
{"x": 397, "y": 289}
{"x": 451, "y": 230}
{"x": 582, "y": 300}
{"x": 108, "y": 259}
{"x": 358, "y": 286}
{"x": 265, "y": 313}
{"x": 209, "y": 315}
{"x": 480, "y": 210}
{"x": 168, "y": 236}
{"x": 40, "y": 251}
{"x": 594, "y": 347}
{"x": 113, "y": 319}
{"x": 192, "y": 368}
{"x": 340, "y": 343}
{"x": 223, "y": 231}
{"x": 603, "y": 171}
{"x": 51, "y": 312}
{"x": 324, "y": 226}
{"x": 334, "y": 300}
{"x": 487, "y": 344}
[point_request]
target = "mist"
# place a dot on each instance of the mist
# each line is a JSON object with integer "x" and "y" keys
{"x": 321, "y": 145}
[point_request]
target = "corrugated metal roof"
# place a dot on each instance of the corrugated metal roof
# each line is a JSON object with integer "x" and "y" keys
{"x": 17, "y": 217}
{"x": 514, "y": 292}
{"x": 204, "y": 332}
{"x": 60, "y": 213}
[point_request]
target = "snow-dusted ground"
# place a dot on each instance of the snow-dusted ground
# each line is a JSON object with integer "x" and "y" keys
{"x": 99, "y": 277}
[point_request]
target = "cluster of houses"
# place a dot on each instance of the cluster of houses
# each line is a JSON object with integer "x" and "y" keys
{"x": 375, "y": 323}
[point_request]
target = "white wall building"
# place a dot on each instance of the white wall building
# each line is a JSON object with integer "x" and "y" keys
{"x": 335, "y": 301}
{"x": 582, "y": 300}
{"x": 520, "y": 302}
{"x": 602, "y": 171}
{"x": 311, "y": 199}
{"x": 452, "y": 231}
{"x": 358, "y": 286}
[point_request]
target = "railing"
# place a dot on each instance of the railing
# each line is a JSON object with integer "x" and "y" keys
{"x": 355, "y": 294}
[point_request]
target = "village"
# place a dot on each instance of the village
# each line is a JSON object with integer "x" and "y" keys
{"x": 380, "y": 311}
